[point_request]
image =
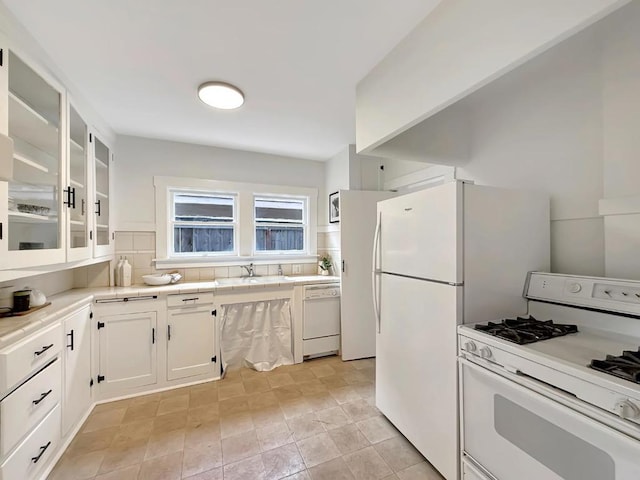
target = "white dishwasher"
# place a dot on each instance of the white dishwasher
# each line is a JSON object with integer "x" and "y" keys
{"x": 321, "y": 319}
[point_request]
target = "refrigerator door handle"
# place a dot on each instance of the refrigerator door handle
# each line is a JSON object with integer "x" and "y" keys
{"x": 375, "y": 273}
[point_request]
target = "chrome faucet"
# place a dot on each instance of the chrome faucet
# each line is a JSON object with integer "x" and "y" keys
{"x": 249, "y": 269}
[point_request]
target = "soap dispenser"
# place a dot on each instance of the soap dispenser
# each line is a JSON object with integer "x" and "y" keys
{"x": 126, "y": 273}
{"x": 118, "y": 272}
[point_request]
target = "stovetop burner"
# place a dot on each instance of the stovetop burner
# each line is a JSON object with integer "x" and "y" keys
{"x": 526, "y": 330}
{"x": 625, "y": 366}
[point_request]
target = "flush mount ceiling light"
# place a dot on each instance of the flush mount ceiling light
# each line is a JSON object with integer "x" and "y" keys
{"x": 221, "y": 95}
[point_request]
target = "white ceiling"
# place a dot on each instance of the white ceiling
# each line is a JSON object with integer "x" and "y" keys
{"x": 139, "y": 63}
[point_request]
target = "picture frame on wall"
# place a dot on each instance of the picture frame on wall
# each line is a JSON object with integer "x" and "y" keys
{"x": 334, "y": 207}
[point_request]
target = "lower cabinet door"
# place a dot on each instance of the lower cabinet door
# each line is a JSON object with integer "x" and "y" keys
{"x": 35, "y": 452}
{"x": 190, "y": 342}
{"x": 77, "y": 368}
{"x": 127, "y": 351}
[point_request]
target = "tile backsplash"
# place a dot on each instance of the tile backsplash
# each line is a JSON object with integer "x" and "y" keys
{"x": 139, "y": 248}
{"x": 329, "y": 243}
{"x": 93, "y": 276}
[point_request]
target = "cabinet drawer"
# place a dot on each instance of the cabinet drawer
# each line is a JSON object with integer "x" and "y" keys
{"x": 316, "y": 346}
{"x": 28, "y": 355}
{"x": 25, "y": 407}
{"x": 36, "y": 451}
{"x": 189, "y": 299}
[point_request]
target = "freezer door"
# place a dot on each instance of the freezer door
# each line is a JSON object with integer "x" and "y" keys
{"x": 416, "y": 373}
{"x": 420, "y": 234}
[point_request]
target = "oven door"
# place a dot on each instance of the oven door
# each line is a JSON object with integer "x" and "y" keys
{"x": 514, "y": 432}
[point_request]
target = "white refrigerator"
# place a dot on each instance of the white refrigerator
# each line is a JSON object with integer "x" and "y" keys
{"x": 455, "y": 253}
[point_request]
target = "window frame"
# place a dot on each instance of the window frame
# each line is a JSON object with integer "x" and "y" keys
{"x": 304, "y": 224}
{"x": 244, "y": 236}
{"x": 172, "y": 222}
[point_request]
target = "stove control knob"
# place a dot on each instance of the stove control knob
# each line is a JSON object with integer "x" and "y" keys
{"x": 575, "y": 288}
{"x": 485, "y": 352}
{"x": 627, "y": 409}
{"x": 470, "y": 346}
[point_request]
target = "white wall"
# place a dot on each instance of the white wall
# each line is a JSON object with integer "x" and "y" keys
{"x": 364, "y": 171}
{"x": 540, "y": 127}
{"x": 394, "y": 168}
{"x": 621, "y": 140}
{"x": 459, "y": 47}
{"x": 347, "y": 170}
{"x": 336, "y": 178}
{"x": 139, "y": 159}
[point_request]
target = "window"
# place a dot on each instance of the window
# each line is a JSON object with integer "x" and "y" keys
{"x": 203, "y": 223}
{"x": 280, "y": 224}
{"x": 214, "y": 223}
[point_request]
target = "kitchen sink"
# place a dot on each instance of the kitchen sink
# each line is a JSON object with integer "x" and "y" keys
{"x": 256, "y": 280}
{"x": 268, "y": 280}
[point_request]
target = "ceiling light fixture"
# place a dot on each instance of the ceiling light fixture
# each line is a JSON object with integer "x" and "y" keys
{"x": 221, "y": 95}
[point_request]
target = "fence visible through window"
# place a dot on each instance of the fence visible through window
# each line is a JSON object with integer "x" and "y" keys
{"x": 203, "y": 223}
{"x": 279, "y": 224}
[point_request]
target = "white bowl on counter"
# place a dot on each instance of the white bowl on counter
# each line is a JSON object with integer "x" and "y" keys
{"x": 156, "y": 279}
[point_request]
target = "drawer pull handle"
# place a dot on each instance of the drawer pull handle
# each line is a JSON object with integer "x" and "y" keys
{"x": 42, "y": 397}
{"x": 190, "y": 299}
{"x": 42, "y": 450}
{"x": 44, "y": 349}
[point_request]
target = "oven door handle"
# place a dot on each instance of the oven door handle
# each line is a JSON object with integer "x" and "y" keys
{"x": 522, "y": 379}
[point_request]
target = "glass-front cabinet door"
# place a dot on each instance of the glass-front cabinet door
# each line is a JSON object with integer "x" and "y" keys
{"x": 75, "y": 195}
{"x": 102, "y": 158}
{"x": 34, "y": 206}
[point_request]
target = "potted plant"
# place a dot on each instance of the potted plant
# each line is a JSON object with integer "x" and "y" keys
{"x": 324, "y": 264}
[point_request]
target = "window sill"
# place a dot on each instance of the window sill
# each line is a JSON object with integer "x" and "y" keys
{"x": 186, "y": 262}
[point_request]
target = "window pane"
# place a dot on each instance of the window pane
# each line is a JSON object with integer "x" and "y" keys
{"x": 279, "y": 210}
{"x": 202, "y": 208}
{"x": 269, "y": 238}
{"x": 202, "y": 239}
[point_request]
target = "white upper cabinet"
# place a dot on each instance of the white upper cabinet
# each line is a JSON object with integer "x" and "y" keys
{"x": 102, "y": 161}
{"x": 55, "y": 174}
{"x": 75, "y": 194}
{"x": 459, "y": 47}
{"x": 36, "y": 214}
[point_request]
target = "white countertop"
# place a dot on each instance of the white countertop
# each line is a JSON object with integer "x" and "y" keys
{"x": 13, "y": 329}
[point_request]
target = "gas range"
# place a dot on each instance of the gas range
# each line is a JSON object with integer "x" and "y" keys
{"x": 531, "y": 386}
{"x": 594, "y": 321}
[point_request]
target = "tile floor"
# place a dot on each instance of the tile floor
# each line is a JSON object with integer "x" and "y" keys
{"x": 315, "y": 420}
